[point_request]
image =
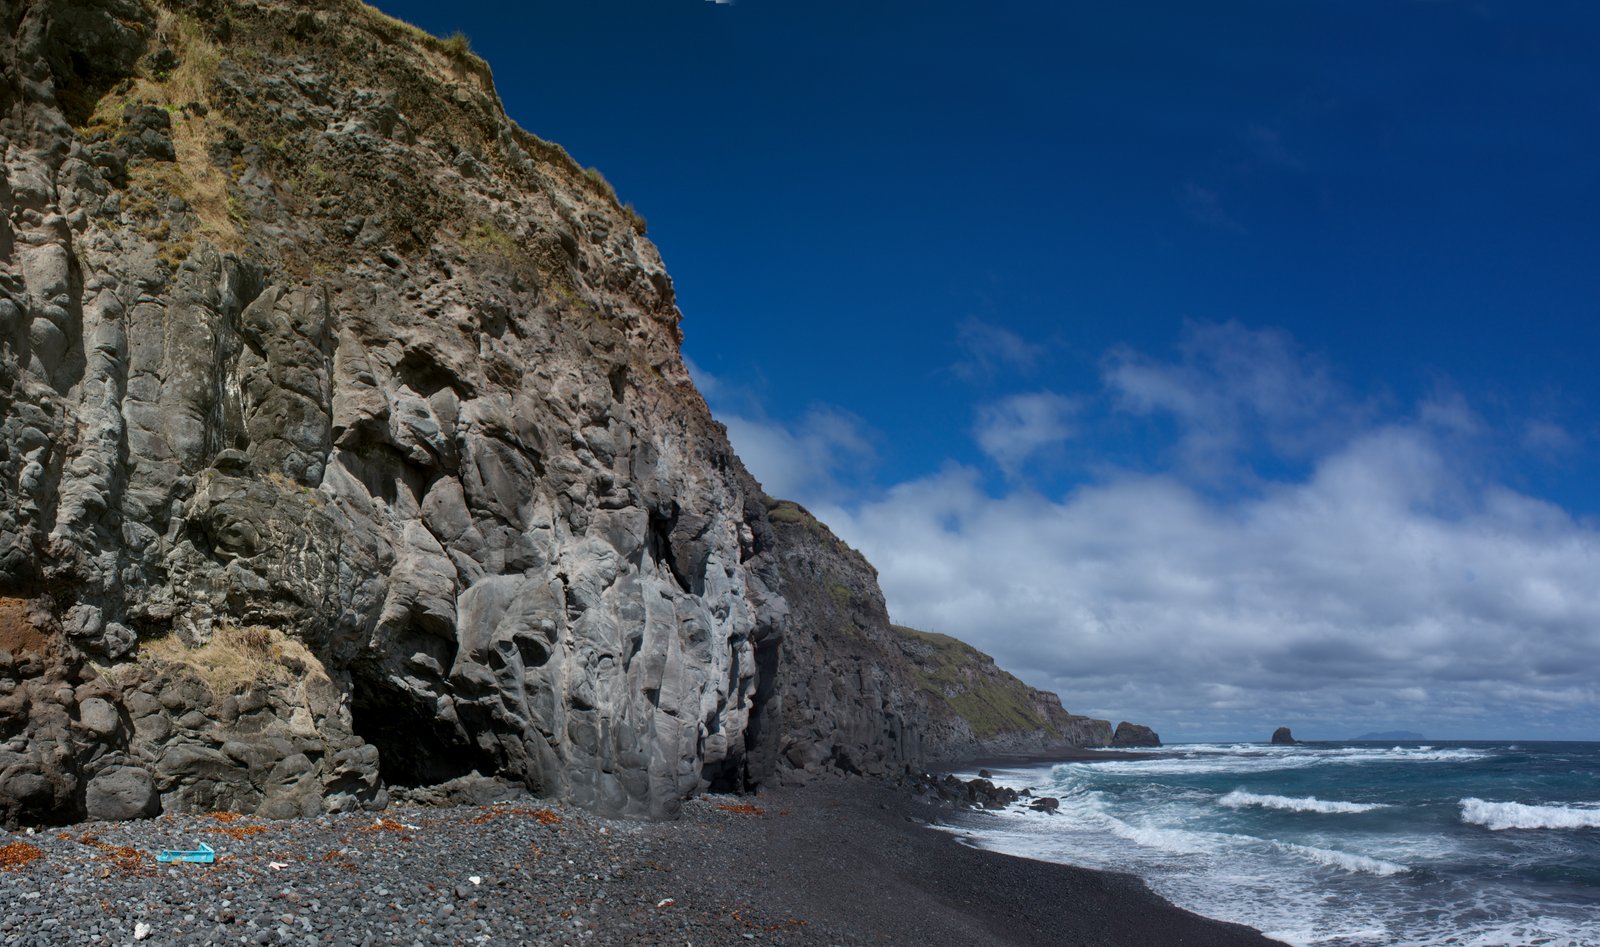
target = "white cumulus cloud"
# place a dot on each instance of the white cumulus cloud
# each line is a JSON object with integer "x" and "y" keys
{"x": 1379, "y": 591}
{"x": 1015, "y": 429}
{"x": 1385, "y": 579}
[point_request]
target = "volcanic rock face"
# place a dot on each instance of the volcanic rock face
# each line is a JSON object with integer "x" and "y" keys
{"x": 848, "y": 697}
{"x": 301, "y": 337}
{"x": 1282, "y": 736}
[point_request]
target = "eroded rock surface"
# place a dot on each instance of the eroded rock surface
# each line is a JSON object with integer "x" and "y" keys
{"x": 847, "y": 696}
{"x": 298, "y": 333}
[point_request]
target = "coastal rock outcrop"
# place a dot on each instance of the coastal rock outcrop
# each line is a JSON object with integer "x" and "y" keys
{"x": 847, "y": 700}
{"x": 1282, "y": 737}
{"x": 1134, "y": 734}
{"x": 860, "y": 694}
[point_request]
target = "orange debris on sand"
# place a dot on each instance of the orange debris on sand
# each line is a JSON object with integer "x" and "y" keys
{"x": 17, "y": 854}
{"x": 129, "y": 861}
{"x": 744, "y": 809}
{"x": 239, "y": 832}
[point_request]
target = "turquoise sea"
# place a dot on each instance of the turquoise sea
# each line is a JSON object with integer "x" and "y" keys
{"x": 1461, "y": 843}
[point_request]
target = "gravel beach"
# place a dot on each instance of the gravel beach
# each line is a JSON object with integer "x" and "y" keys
{"x": 837, "y": 862}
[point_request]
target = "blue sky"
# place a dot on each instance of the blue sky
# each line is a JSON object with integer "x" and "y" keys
{"x": 1216, "y": 369}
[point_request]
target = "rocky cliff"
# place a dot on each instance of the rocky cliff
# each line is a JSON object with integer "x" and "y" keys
{"x": 345, "y": 444}
{"x": 861, "y": 694}
{"x": 848, "y": 697}
{"x": 975, "y": 708}
{"x": 309, "y": 358}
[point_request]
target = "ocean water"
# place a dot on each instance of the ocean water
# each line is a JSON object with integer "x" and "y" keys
{"x": 1340, "y": 844}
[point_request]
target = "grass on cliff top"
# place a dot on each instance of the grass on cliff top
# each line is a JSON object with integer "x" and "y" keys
{"x": 449, "y": 59}
{"x": 457, "y": 48}
{"x": 966, "y": 680}
{"x": 235, "y": 659}
{"x": 790, "y": 513}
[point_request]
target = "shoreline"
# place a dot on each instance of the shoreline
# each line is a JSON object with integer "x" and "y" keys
{"x": 835, "y": 861}
{"x": 866, "y": 862}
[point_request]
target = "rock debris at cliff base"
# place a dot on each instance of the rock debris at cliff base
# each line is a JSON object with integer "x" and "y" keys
{"x": 520, "y": 872}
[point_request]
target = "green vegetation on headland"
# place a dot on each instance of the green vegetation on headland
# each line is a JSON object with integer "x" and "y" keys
{"x": 967, "y": 681}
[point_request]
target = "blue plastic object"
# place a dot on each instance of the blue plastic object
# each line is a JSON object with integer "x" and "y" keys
{"x": 205, "y": 854}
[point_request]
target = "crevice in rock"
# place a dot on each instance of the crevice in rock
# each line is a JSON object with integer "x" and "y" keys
{"x": 658, "y": 540}
{"x": 619, "y": 382}
{"x": 74, "y": 361}
{"x": 384, "y": 471}
{"x": 534, "y": 653}
{"x": 765, "y": 723}
{"x": 424, "y": 375}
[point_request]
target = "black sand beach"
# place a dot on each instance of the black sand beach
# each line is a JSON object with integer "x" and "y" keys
{"x": 847, "y": 857}
{"x": 837, "y": 862}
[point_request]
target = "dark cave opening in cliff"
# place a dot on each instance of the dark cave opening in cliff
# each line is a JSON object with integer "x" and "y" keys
{"x": 414, "y": 747}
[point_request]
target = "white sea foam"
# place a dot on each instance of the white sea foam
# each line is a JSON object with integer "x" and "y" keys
{"x": 1201, "y": 765}
{"x": 1514, "y": 815}
{"x": 1239, "y": 799}
{"x": 1346, "y": 861}
{"x": 1203, "y": 760}
{"x": 1405, "y": 754}
{"x": 1177, "y": 841}
{"x": 1315, "y": 884}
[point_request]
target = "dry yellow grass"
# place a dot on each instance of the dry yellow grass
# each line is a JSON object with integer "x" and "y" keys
{"x": 235, "y": 658}
{"x": 199, "y": 57}
{"x": 195, "y": 130}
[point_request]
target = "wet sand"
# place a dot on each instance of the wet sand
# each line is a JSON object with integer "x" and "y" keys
{"x": 857, "y": 863}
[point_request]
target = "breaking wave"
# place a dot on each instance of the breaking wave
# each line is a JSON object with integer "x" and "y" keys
{"x": 1344, "y": 861}
{"x": 1201, "y": 759}
{"x": 1496, "y": 816}
{"x": 1239, "y": 799}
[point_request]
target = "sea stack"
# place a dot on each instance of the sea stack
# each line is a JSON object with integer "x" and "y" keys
{"x": 1282, "y": 736}
{"x": 1134, "y": 734}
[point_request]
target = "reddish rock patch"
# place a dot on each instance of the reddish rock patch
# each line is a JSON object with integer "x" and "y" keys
{"x": 17, "y": 631}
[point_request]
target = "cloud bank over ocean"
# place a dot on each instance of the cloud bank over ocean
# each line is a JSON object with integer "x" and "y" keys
{"x": 1288, "y": 551}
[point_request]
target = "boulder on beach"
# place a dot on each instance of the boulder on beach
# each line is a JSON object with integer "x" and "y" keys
{"x": 1283, "y": 737}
